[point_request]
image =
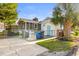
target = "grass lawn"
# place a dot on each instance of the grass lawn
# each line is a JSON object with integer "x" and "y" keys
{"x": 56, "y": 45}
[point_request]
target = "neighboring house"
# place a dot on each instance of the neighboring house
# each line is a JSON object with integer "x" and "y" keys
{"x": 49, "y": 28}
{"x": 2, "y": 27}
{"x": 14, "y": 27}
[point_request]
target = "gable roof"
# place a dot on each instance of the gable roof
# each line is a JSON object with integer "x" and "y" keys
{"x": 48, "y": 19}
{"x": 28, "y": 20}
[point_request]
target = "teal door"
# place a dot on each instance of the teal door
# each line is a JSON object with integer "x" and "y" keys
{"x": 48, "y": 30}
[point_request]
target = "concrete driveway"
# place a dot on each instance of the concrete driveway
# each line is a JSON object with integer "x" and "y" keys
{"x": 19, "y": 47}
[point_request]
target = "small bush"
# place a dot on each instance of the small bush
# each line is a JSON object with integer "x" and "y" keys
{"x": 75, "y": 33}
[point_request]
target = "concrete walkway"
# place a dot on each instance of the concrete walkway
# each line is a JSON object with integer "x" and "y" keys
{"x": 19, "y": 47}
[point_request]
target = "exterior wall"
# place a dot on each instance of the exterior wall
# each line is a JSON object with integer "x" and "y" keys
{"x": 2, "y": 27}
{"x": 15, "y": 28}
{"x": 53, "y": 29}
{"x": 28, "y": 29}
{"x": 29, "y": 33}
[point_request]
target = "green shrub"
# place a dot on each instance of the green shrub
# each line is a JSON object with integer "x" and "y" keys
{"x": 75, "y": 33}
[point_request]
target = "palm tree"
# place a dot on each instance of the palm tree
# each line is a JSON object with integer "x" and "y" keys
{"x": 58, "y": 19}
{"x": 66, "y": 11}
{"x": 69, "y": 18}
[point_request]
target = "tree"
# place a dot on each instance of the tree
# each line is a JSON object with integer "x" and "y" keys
{"x": 57, "y": 17}
{"x": 69, "y": 18}
{"x": 65, "y": 14}
{"x": 8, "y": 13}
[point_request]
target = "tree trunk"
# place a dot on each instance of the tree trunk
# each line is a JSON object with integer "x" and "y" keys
{"x": 67, "y": 28}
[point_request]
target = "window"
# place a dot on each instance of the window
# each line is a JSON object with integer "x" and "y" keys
{"x": 39, "y": 26}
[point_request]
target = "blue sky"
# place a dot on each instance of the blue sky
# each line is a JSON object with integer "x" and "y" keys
{"x": 39, "y": 10}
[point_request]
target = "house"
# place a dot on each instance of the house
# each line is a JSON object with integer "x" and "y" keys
{"x": 28, "y": 28}
{"x": 49, "y": 28}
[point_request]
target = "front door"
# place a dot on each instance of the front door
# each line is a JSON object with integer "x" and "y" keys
{"x": 48, "y": 30}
